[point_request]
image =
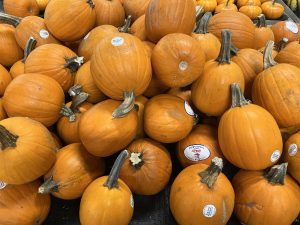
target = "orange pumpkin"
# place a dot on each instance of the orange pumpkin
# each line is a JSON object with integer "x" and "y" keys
{"x": 251, "y": 10}
{"x": 241, "y": 3}
{"x": 57, "y": 141}
{"x": 227, "y": 6}
{"x": 112, "y": 192}
{"x": 163, "y": 18}
{"x": 27, "y": 205}
{"x": 290, "y": 54}
{"x": 211, "y": 92}
{"x": 35, "y": 96}
{"x": 73, "y": 171}
{"x": 3, "y": 114}
{"x": 79, "y": 18}
{"x": 21, "y": 8}
{"x": 168, "y": 118}
{"x": 101, "y": 134}
{"x": 206, "y": 190}
{"x": 138, "y": 28}
{"x": 208, "y": 5}
{"x": 5, "y": 79}
{"x": 272, "y": 10}
{"x": 200, "y": 146}
{"x": 135, "y": 8}
{"x": 256, "y": 191}
{"x": 262, "y": 33}
{"x": 286, "y": 29}
{"x": 255, "y": 145}
{"x": 42, "y": 4}
{"x": 148, "y": 168}
{"x": 26, "y": 154}
{"x": 184, "y": 93}
{"x": 224, "y": 1}
{"x": 140, "y": 102}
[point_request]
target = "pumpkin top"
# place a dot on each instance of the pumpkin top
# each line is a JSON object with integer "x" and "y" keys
{"x": 7, "y": 139}
{"x": 127, "y": 24}
{"x": 202, "y": 28}
{"x": 91, "y": 3}
{"x": 224, "y": 55}
{"x": 30, "y": 45}
{"x": 276, "y": 174}
{"x": 261, "y": 21}
{"x": 268, "y": 57}
{"x": 238, "y": 99}
{"x": 210, "y": 175}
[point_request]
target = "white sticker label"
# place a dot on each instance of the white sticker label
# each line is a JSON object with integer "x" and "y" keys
{"x": 183, "y": 65}
{"x": 293, "y": 149}
{"x": 196, "y": 152}
{"x": 292, "y": 26}
{"x": 44, "y": 34}
{"x": 86, "y": 36}
{"x": 188, "y": 109}
{"x": 2, "y": 185}
{"x": 131, "y": 201}
{"x": 275, "y": 156}
{"x": 117, "y": 41}
{"x": 209, "y": 210}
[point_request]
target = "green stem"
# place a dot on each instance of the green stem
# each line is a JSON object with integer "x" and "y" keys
{"x": 30, "y": 45}
{"x": 67, "y": 112}
{"x": 281, "y": 44}
{"x": 73, "y": 63}
{"x": 261, "y": 21}
{"x": 7, "y": 139}
{"x": 203, "y": 24}
{"x": 227, "y": 3}
{"x": 224, "y": 55}
{"x": 276, "y": 174}
{"x": 49, "y": 186}
{"x": 75, "y": 90}
{"x": 210, "y": 175}
{"x": 125, "y": 27}
{"x": 78, "y": 100}
{"x": 126, "y": 106}
{"x": 12, "y": 20}
{"x": 268, "y": 58}
{"x": 237, "y": 97}
{"x": 233, "y": 49}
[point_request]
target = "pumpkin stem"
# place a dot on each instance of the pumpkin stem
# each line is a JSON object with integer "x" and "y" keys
{"x": 261, "y": 21}
{"x": 227, "y": 3}
{"x": 136, "y": 159}
{"x": 48, "y": 186}
{"x": 30, "y": 45}
{"x": 7, "y": 139}
{"x": 125, "y": 27}
{"x": 91, "y": 3}
{"x": 281, "y": 44}
{"x": 126, "y": 106}
{"x": 268, "y": 58}
{"x": 75, "y": 90}
{"x": 237, "y": 97}
{"x": 276, "y": 174}
{"x": 73, "y": 63}
{"x": 273, "y": 3}
{"x": 234, "y": 50}
{"x": 12, "y": 20}
{"x": 112, "y": 180}
{"x": 78, "y": 100}
{"x": 210, "y": 175}
{"x": 67, "y": 112}
{"x": 224, "y": 55}
{"x": 202, "y": 27}
{"x": 199, "y": 14}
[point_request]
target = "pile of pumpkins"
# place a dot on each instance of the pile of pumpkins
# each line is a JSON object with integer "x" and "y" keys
{"x": 84, "y": 83}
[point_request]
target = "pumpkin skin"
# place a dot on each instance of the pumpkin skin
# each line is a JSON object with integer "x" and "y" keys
{"x": 152, "y": 173}
{"x": 109, "y": 12}
{"x": 292, "y": 155}
{"x": 5, "y": 79}
{"x": 250, "y": 10}
{"x": 140, "y": 101}
{"x": 177, "y": 60}
{"x": 254, "y": 194}
{"x": 203, "y": 141}
{"x": 259, "y": 134}
{"x": 224, "y": 1}
{"x": 241, "y": 3}
{"x": 272, "y": 10}
{"x": 262, "y": 33}
{"x": 17, "y": 69}
{"x": 70, "y": 29}
{"x": 9, "y": 46}
{"x": 242, "y": 28}
{"x": 226, "y": 7}
{"x": 73, "y": 171}
{"x": 21, "y": 8}
{"x": 135, "y": 8}
{"x": 51, "y": 60}
{"x": 57, "y": 141}
{"x": 108, "y": 69}
{"x": 42, "y": 4}
{"x": 27, "y": 205}
{"x": 290, "y": 54}
{"x": 163, "y": 18}
{"x": 28, "y": 95}
{"x": 138, "y": 28}
{"x": 101, "y": 134}
{"x": 166, "y": 119}
{"x": 187, "y": 190}
{"x": 208, "y": 5}
{"x": 3, "y": 114}
{"x": 33, "y": 155}
{"x": 183, "y": 93}
{"x": 281, "y": 30}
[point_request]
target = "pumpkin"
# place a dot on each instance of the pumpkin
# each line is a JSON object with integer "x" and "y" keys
{"x": 73, "y": 171}
{"x": 211, "y": 92}
{"x": 148, "y": 168}
{"x": 138, "y": 28}
{"x": 209, "y": 43}
{"x": 123, "y": 73}
{"x": 290, "y": 54}
{"x": 9, "y": 46}
{"x": 258, "y": 143}
{"x": 135, "y": 8}
{"x": 227, "y": 6}
{"x": 184, "y": 93}
{"x": 286, "y": 29}
{"x": 78, "y": 16}
{"x": 283, "y": 103}
{"x": 84, "y": 78}
{"x": 22, "y": 205}
{"x": 57, "y": 141}
{"x": 241, "y": 3}
{"x": 256, "y": 191}
{"x": 140, "y": 102}
{"x": 26, "y": 154}
{"x": 251, "y": 10}
{"x": 109, "y": 12}
{"x": 168, "y": 118}
{"x": 262, "y": 33}
{"x": 177, "y": 60}
{"x": 200, "y": 146}
{"x": 3, "y": 114}
{"x": 163, "y": 18}
{"x": 208, "y": 5}
{"x": 101, "y": 134}
{"x": 292, "y": 155}
{"x": 225, "y": 1}
{"x": 42, "y": 4}
{"x": 35, "y": 96}
{"x": 251, "y": 63}
{"x": 104, "y": 195}
{"x": 272, "y": 10}
{"x": 201, "y": 194}
{"x": 240, "y": 25}
{"x": 55, "y": 61}
{"x": 5, "y": 79}
{"x": 21, "y": 8}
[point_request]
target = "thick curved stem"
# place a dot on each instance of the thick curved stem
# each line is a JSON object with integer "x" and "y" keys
{"x": 276, "y": 174}
{"x": 261, "y": 21}
{"x": 112, "y": 180}
{"x": 227, "y": 3}
{"x": 30, "y": 45}
{"x": 78, "y": 100}
{"x": 125, "y": 27}
{"x": 73, "y": 63}
{"x": 75, "y": 90}
{"x": 67, "y": 112}
{"x": 268, "y": 58}
{"x": 281, "y": 44}
{"x": 48, "y": 186}
{"x": 7, "y": 139}
{"x": 210, "y": 175}
{"x": 136, "y": 159}
{"x": 203, "y": 24}
{"x": 237, "y": 97}
{"x": 12, "y": 20}
{"x": 234, "y": 50}
{"x": 126, "y": 106}
{"x": 224, "y": 55}
{"x": 91, "y": 3}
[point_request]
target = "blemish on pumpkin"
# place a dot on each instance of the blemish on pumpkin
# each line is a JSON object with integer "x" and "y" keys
{"x": 30, "y": 10}
{"x": 251, "y": 205}
{"x": 37, "y": 221}
{"x": 178, "y": 189}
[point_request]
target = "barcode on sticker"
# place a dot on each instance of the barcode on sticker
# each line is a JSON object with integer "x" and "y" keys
{"x": 44, "y": 34}
{"x": 117, "y": 41}
{"x": 293, "y": 149}
{"x": 2, "y": 185}
{"x": 275, "y": 155}
{"x": 209, "y": 211}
